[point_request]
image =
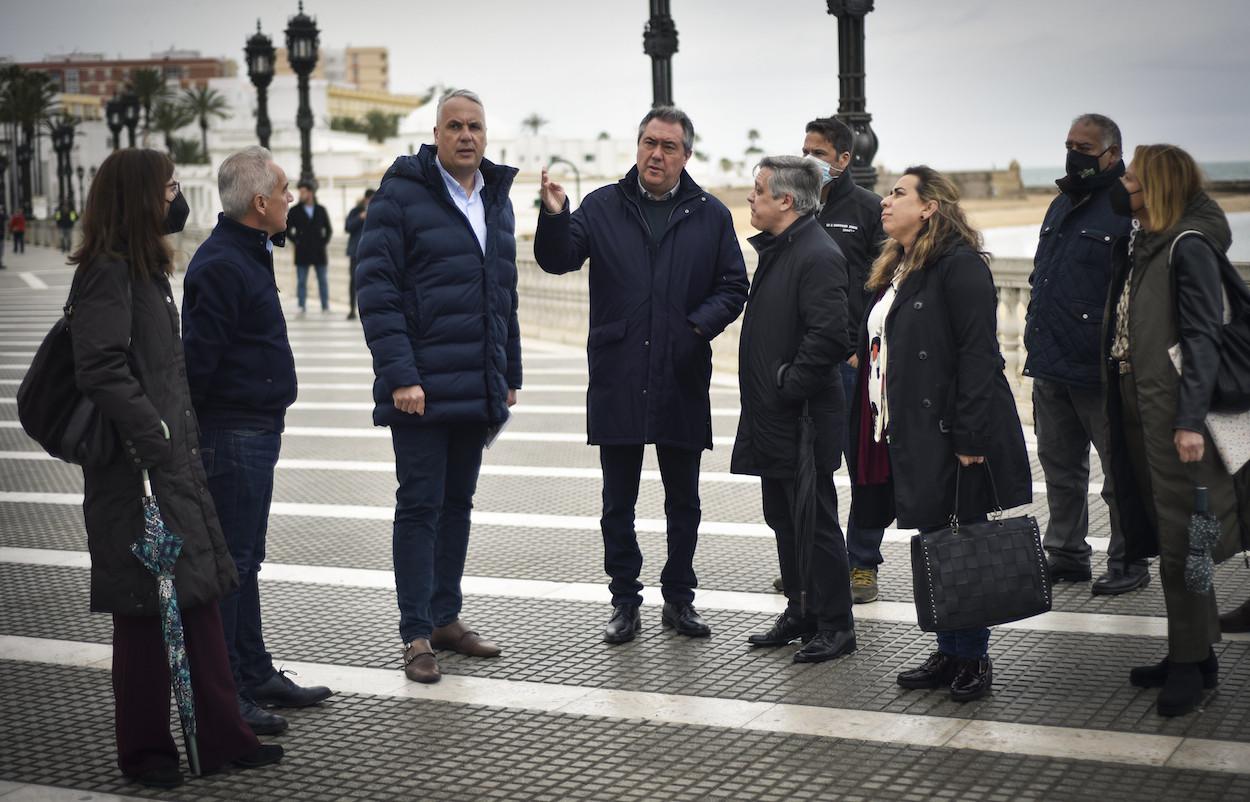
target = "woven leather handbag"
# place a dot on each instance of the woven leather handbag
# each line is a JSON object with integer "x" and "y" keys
{"x": 979, "y": 574}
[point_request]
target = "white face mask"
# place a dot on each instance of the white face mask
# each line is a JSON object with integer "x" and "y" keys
{"x": 827, "y": 174}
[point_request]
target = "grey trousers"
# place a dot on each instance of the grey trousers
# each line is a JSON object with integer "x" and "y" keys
{"x": 1068, "y": 420}
{"x": 1193, "y": 618}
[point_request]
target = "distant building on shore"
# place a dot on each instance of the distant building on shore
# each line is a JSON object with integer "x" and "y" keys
{"x": 972, "y": 184}
{"x": 366, "y": 68}
{"x": 92, "y": 74}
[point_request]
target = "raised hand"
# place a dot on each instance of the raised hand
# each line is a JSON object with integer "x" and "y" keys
{"x": 552, "y": 194}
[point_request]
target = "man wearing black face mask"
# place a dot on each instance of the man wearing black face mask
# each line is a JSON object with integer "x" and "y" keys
{"x": 1071, "y": 274}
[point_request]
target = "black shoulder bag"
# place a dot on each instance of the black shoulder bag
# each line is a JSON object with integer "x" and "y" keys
{"x": 51, "y": 408}
{"x": 981, "y": 574}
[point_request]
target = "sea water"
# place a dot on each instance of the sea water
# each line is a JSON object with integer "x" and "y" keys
{"x": 1021, "y": 241}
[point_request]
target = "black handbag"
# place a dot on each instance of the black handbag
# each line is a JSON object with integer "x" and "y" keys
{"x": 1232, "y": 380}
{"x": 979, "y": 574}
{"x": 54, "y": 412}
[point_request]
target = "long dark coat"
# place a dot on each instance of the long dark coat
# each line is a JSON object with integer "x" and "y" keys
{"x": 310, "y": 235}
{"x": 128, "y": 360}
{"x": 947, "y": 395}
{"x": 1155, "y": 522}
{"x": 649, "y": 370}
{"x": 795, "y": 317}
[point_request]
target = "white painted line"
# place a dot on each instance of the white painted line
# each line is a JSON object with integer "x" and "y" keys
{"x": 908, "y": 729}
{"x": 520, "y": 409}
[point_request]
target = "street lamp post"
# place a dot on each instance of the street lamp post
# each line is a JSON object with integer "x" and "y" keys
{"x": 24, "y": 200}
{"x": 659, "y": 41}
{"x": 577, "y": 174}
{"x": 301, "y": 51}
{"x": 82, "y": 193}
{"x": 260, "y": 54}
{"x": 114, "y": 111}
{"x": 58, "y": 147}
{"x": 4, "y": 168}
{"x": 130, "y": 115}
{"x": 852, "y": 102}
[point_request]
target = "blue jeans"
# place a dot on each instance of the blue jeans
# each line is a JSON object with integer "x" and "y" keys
{"x": 240, "y": 464}
{"x": 970, "y": 644}
{"x": 301, "y": 285}
{"x": 437, "y": 468}
{"x": 863, "y": 546}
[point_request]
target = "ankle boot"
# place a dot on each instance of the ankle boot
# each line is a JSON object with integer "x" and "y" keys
{"x": 973, "y": 680}
{"x": 1182, "y": 690}
{"x": 1153, "y": 676}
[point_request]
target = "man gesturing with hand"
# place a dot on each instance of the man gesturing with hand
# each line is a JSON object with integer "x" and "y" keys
{"x": 436, "y": 287}
{"x": 666, "y": 276}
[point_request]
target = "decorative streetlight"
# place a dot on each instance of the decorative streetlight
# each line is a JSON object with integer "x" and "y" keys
{"x": 60, "y": 146}
{"x": 24, "y": 153}
{"x": 577, "y": 174}
{"x": 130, "y": 115}
{"x": 4, "y": 168}
{"x": 82, "y": 193}
{"x": 114, "y": 113}
{"x": 852, "y": 102}
{"x": 260, "y": 56}
{"x": 301, "y": 51}
{"x": 659, "y": 41}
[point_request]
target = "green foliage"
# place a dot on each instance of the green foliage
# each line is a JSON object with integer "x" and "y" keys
{"x": 534, "y": 123}
{"x": 205, "y": 103}
{"x": 377, "y": 125}
{"x": 169, "y": 117}
{"x": 150, "y": 87}
{"x": 186, "y": 151}
{"x": 347, "y": 124}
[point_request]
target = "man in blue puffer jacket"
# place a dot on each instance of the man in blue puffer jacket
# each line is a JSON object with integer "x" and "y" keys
{"x": 436, "y": 288}
{"x": 1071, "y": 273}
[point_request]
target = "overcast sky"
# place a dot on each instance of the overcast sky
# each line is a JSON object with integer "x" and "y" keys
{"x": 957, "y": 84}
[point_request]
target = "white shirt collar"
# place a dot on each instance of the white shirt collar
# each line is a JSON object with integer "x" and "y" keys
{"x": 662, "y": 197}
{"x": 454, "y": 186}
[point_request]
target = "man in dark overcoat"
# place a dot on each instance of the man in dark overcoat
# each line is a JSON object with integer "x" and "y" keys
{"x": 794, "y": 335}
{"x": 666, "y": 277}
{"x": 309, "y": 230}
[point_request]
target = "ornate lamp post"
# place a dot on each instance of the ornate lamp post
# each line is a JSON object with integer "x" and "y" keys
{"x": 4, "y": 168}
{"x": 60, "y": 146}
{"x": 82, "y": 193}
{"x": 130, "y": 115}
{"x": 577, "y": 174}
{"x": 114, "y": 112}
{"x": 24, "y": 153}
{"x": 659, "y": 41}
{"x": 260, "y": 53}
{"x": 301, "y": 51}
{"x": 852, "y": 103}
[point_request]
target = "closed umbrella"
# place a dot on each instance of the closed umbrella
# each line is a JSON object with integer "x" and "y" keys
{"x": 804, "y": 511}
{"x": 158, "y": 549}
{"x": 1204, "y": 533}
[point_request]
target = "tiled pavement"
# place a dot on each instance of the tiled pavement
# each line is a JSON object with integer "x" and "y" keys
{"x": 561, "y": 715}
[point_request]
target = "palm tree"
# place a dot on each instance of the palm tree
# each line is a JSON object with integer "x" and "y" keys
{"x": 753, "y": 137}
{"x": 186, "y": 151}
{"x": 379, "y": 126}
{"x": 150, "y": 87}
{"x": 533, "y": 123}
{"x": 27, "y": 99}
{"x": 169, "y": 117}
{"x": 205, "y": 102}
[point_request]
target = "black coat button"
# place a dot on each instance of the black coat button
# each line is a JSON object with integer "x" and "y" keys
{"x": 918, "y": 305}
{"x": 926, "y": 403}
{"x": 923, "y": 355}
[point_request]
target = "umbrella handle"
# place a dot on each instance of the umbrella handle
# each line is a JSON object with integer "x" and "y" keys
{"x": 193, "y": 752}
{"x": 147, "y": 483}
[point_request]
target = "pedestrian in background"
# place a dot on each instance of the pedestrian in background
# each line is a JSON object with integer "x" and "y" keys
{"x": 355, "y": 226}
{"x": 4, "y": 230}
{"x": 308, "y": 227}
{"x": 1165, "y": 292}
{"x": 66, "y": 219}
{"x": 17, "y": 225}
{"x": 1071, "y": 273}
{"x": 932, "y": 411}
{"x": 129, "y": 361}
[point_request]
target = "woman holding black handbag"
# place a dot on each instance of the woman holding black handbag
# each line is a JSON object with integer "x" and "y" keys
{"x": 128, "y": 361}
{"x": 1167, "y": 295}
{"x": 933, "y": 414}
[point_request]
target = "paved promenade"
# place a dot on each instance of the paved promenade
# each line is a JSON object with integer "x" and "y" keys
{"x": 561, "y": 715}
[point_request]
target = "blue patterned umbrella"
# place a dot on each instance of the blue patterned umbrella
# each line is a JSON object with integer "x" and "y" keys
{"x": 1204, "y": 533}
{"x": 158, "y": 548}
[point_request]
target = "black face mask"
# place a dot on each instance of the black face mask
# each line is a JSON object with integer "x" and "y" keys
{"x": 1083, "y": 166}
{"x": 1121, "y": 199}
{"x": 176, "y": 217}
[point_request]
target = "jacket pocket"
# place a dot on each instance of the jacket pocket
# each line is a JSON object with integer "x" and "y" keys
{"x": 602, "y": 345}
{"x": 1093, "y": 248}
{"x": 1086, "y": 313}
{"x": 606, "y": 334}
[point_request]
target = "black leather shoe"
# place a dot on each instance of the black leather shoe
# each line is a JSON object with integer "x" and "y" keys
{"x": 827, "y": 645}
{"x": 973, "y": 679}
{"x": 936, "y": 671}
{"x": 1119, "y": 580}
{"x": 623, "y": 625}
{"x": 263, "y": 755}
{"x": 1236, "y": 621}
{"x": 1182, "y": 690}
{"x": 1154, "y": 676}
{"x": 280, "y": 691}
{"x": 160, "y": 777}
{"x": 1068, "y": 574}
{"x": 685, "y": 620}
{"x": 262, "y": 722}
{"x": 784, "y": 630}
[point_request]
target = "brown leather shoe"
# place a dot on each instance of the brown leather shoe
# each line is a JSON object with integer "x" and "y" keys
{"x": 420, "y": 664}
{"x": 1238, "y": 620}
{"x": 454, "y": 637}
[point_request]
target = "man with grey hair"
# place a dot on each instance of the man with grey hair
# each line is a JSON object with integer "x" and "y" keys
{"x": 1071, "y": 277}
{"x": 794, "y": 335}
{"x": 242, "y": 378}
{"x": 666, "y": 277}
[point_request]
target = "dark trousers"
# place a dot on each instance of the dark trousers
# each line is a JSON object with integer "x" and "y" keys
{"x": 1068, "y": 420}
{"x": 19, "y": 242}
{"x": 240, "y": 464}
{"x": 970, "y": 644}
{"x": 863, "y": 546}
{"x": 622, "y": 559}
{"x": 351, "y": 284}
{"x": 828, "y": 574}
{"x": 437, "y": 468}
{"x": 141, "y": 688}
{"x": 67, "y": 238}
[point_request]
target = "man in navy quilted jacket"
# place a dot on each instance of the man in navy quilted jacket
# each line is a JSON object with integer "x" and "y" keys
{"x": 436, "y": 289}
{"x": 1071, "y": 274}
{"x": 666, "y": 277}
